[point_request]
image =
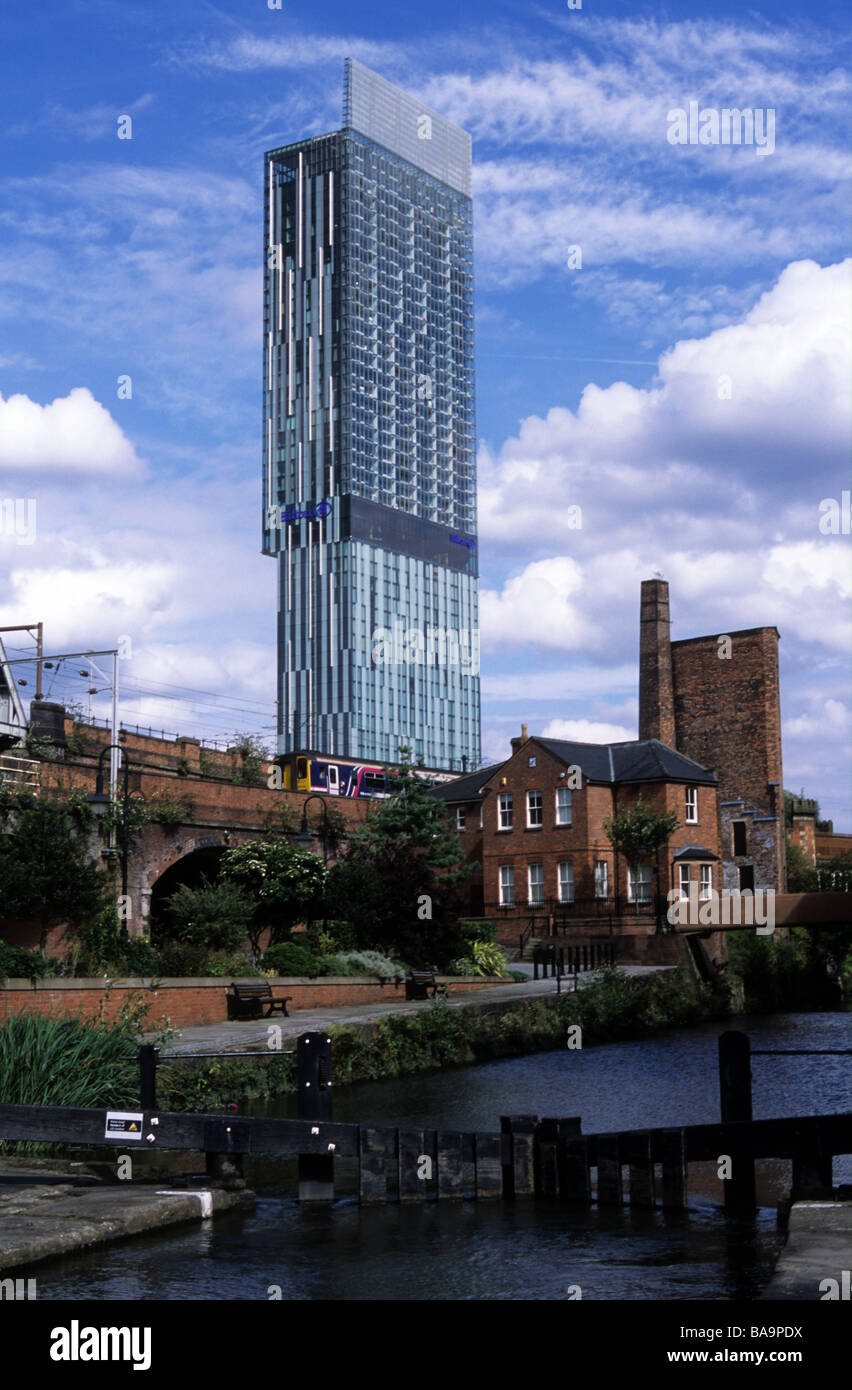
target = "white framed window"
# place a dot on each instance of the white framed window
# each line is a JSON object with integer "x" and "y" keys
{"x": 566, "y": 882}
{"x": 532, "y": 762}
{"x": 683, "y": 875}
{"x": 563, "y": 805}
{"x": 535, "y": 810}
{"x": 507, "y": 885}
{"x": 535, "y": 883}
{"x": 705, "y": 881}
{"x": 505, "y": 817}
{"x": 601, "y": 879}
{"x": 639, "y": 883}
{"x": 460, "y": 818}
{"x": 692, "y": 805}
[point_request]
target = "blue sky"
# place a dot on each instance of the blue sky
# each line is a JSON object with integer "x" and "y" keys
{"x": 686, "y": 385}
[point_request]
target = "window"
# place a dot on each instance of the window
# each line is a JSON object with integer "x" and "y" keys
{"x": 532, "y": 762}
{"x": 706, "y": 876}
{"x": 692, "y": 805}
{"x": 601, "y": 879}
{"x": 460, "y": 818}
{"x": 563, "y": 805}
{"x": 746, "y": 878}
{"x": 566, "y": 882}
{"x": 683, "y": 872}
{"x": 507, "y": 885}
{"x": 639, "y": 883}
{"x": 535, "y": 880}
{"x": 504, "y": 811}
{"x": 739, "y": 828}
{"x": 535, "y": 810}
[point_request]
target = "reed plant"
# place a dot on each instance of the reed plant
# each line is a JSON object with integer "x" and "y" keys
{"x": 69, "y": 1061}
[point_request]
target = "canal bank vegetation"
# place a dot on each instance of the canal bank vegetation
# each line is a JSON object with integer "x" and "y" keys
{"x": 70, "y": 1061}
{"x": 612, "y": 1007}
{"x": 811, "y": 970}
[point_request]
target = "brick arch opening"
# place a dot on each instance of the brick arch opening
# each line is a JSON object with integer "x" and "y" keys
{"x": 190, "y": 869}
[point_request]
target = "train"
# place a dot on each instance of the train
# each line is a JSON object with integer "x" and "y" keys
{"x": 320, "y": 772}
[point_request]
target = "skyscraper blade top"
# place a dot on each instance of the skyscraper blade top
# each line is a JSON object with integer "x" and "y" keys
{"x": 369, "y": 442}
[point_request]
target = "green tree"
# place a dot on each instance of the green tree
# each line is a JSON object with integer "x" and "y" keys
{"x": 397, "y": 881}
{"x": 286, "y": 884}
{"x": 213, "y": 914}
{"x": 639, "y": 832}
{"x": 45, "y": 871}
{"x": 802, "y": 877}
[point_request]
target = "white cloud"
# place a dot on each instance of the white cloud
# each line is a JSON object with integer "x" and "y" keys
{"x": 587, "y": 731}
{"x": 73, "y": 434}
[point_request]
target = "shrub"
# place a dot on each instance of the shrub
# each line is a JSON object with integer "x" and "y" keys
{"x": 289, "y": 958}
{"x": 465, "y": 965}
{"x": 488, "y": 959}
{"x": 16, "y": 962}
{"x": 139, "y": 957}
{"x": 214, "y": 915}
{"x": 478, "y": 931}
{"x": 373, "y": 963}
{"x": 98, "y": 943}
{"x": 334, "y": 965}
{"x": 180, "y": 959}
{"x": 237, "y": 966}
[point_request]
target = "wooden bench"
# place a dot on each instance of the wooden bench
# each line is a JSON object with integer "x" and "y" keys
{"x": 423, "y": 984}
{"x": 247, "y": 1000}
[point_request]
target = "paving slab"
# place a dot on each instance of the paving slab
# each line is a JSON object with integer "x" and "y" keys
{"x": 819, "y": 1248}
{"x": 57, "y": 1215}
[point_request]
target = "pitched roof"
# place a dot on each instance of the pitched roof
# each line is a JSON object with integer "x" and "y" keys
{"x": 639, "y": 760}
{"x": 465, "y": 788}
{"x": 694, "y": 852}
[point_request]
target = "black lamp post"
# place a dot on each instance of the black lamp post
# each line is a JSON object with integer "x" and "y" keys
{"x": 99, "y": 803}
{"x": 305, "y": 837}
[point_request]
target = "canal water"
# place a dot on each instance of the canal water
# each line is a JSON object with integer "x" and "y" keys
{"x": 494, "y": 1250}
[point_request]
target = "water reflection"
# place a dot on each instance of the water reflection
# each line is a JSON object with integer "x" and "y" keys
{"x": 526, "y": 1250}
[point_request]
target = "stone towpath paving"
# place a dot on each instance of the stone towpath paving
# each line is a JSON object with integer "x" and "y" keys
{"x": 818, "y": 1250}
{"x": 243, "y": 1037}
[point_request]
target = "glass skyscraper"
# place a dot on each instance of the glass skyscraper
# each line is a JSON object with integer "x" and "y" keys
{"x": 369, "y": 449}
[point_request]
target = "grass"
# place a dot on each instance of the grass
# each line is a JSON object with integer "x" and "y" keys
{"x": 69, "y": 1061}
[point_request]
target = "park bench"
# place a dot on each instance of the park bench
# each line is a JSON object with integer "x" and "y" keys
{"x": 423, "y": 984}
{"x": 247, "y": 1000}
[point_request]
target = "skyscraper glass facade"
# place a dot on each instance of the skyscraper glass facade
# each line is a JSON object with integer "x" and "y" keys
{"x": 369, "y": 447}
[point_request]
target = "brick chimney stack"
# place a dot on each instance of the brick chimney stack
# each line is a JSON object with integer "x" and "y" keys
{"x": 518, "y": 742}
{"x": 656, "y": 695}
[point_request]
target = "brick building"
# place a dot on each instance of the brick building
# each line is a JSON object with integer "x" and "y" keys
{"x": 533, "y": 829}
{"x": 716, "y": 699}
{"x": 709, "y": 748}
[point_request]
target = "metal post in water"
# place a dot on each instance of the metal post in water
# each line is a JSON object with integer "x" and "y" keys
{"x": 735, "y": 1096}
{"x": 314, "y": 1088}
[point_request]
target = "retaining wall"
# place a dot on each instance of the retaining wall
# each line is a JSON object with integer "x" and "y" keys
{"x": 188, "y": 1002}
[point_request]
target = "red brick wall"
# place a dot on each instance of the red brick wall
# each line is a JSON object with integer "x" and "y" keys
{"x": 583, "y": 842}
{"x": 727, "y": 711}
{"x": 829, "y": 845}
{"x": 191, "y": 1003}
{"x": 728, "y": 718}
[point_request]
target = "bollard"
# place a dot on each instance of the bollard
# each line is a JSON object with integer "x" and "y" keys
{"x": 148, "y": 1059}
{"x": 314, "y": 1089}
{"x": 735, "y": 1096}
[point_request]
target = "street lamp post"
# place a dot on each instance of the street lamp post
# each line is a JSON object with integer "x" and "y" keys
{"x": 304, "y": 836}
{"x": 99, "y": 803}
